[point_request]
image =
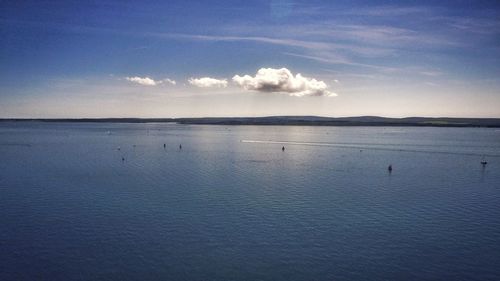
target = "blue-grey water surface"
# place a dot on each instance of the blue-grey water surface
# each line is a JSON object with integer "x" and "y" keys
{"x": 231, "y": 205}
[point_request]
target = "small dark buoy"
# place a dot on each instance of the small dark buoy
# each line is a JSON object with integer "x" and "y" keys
{"x": 389, "y": 168}
{"x": 283, "y": 148}
{"x": 180, "y": 146}
{"x": 483, "y": 161}
{"x": 123, "y": 159}
{"x": 164, "y": 145}
{"x": 118, "y": 148}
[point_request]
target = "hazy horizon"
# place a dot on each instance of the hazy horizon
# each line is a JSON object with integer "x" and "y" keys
{"x": 265, "y": 58}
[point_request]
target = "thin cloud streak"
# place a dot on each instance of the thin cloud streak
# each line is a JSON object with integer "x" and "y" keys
{"x": 391, "y": 11}
{"x": 336, "y": 61}
{"x": 284, "y": 42}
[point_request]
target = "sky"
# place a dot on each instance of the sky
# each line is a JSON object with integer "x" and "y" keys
{"x": 73, "y": 59}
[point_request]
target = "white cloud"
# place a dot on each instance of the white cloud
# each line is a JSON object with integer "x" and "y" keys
{"x": 146, "y": 81}
{"x": 169, "y": 81}
{"x": 282, "y": 80}
{"x": 207, "y": 82}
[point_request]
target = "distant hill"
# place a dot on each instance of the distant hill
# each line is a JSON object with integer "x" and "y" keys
{"x": 346, "y": 121}
{"x": 297, "y": 120}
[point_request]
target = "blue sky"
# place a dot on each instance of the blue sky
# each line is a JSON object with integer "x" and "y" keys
{"x": 242, "y": 58}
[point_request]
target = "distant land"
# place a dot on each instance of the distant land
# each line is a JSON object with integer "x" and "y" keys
{"x": 293, "y": 120}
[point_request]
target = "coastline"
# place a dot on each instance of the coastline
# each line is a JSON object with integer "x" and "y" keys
{"x": 290, "y": 121}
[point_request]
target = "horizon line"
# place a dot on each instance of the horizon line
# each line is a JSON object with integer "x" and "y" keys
{"x": 234, "y": 117}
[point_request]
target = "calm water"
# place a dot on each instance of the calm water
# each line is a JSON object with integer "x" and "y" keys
{"x": 232, "y": 206}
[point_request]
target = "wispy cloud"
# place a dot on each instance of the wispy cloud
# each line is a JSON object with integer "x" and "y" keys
{"x": 432, "y": 73}
{"x": 326, "y": 58}
{"x": 478, "y": 26}
{"x": 260, "y": 39}
{"x": 391, "y": 11}
{"x": 388, "y": 36}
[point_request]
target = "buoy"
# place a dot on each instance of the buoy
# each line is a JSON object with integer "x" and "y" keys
{"x": 389, "y": 168}
{"x": 123, "y": 159}
{"x": 283, "y": 148}
{"x": 164, "y": 145}
{"x": 180, "y": 146}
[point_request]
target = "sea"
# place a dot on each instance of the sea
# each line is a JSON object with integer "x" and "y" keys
{"x": 165, "y": 201}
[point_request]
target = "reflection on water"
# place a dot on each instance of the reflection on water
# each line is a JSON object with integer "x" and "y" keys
{"x": 231, "y": 205}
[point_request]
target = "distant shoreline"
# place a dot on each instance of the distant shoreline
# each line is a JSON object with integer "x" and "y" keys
{"x": 289, "y": 121}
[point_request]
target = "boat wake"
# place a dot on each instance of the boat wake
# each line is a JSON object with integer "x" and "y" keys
{"x": 369, "y": 147}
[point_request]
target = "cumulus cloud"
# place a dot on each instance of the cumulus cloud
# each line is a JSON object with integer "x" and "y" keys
{"x": 282, "y": 80}
{"x": 207, "y": 82}
{"x": 146, "y": 81}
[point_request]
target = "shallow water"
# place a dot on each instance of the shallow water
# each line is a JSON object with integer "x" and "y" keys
{"x": 231, "y": 205}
